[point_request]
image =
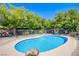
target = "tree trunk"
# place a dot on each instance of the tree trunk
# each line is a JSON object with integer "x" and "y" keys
{"x": 14, "y": 32}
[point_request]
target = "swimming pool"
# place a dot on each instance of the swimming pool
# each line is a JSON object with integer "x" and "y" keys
{"x": 44, "y": 43}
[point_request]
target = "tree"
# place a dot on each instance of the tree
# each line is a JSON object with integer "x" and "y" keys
{"x": 67, "y": 20}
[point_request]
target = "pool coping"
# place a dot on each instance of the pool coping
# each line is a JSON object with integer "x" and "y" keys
{"x": 64, "y": 50}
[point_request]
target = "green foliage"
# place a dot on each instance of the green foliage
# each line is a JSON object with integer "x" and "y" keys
{"x": 25, "y": 33}
{"x": 68, "y": 20}
{"x": 14, "y": 17}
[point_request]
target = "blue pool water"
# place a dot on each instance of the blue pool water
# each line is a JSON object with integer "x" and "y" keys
{"x": 44, "y": 43}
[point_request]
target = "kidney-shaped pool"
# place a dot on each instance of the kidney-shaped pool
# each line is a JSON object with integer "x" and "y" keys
{"x": 44, "y": 43}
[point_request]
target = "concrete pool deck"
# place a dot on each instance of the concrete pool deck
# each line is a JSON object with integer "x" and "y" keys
{"x": 8, "y": 49}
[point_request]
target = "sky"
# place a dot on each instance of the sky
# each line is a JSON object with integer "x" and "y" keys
{"x": 47, "y": 10}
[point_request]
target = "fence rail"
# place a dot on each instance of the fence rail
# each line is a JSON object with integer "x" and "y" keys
{"x": 5, "y": 33}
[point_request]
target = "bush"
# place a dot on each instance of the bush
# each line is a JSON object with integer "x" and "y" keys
{"x": 25, "y": 33}
{"x": 72, "y": 34}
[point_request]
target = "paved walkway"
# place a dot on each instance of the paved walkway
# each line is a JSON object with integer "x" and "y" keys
{"x": 6, "y": 40}
{"x": 76, "y": 51}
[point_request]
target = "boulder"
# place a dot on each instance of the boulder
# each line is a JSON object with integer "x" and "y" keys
{"x": 32, "y": 52}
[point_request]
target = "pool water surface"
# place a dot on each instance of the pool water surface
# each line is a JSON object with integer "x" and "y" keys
{"x": 43, "y": 43}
